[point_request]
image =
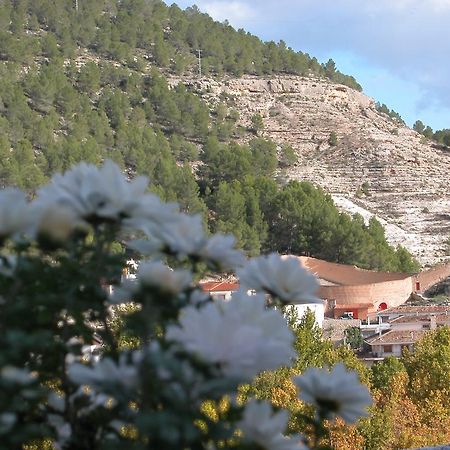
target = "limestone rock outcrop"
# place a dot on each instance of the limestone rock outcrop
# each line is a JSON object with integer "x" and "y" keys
{"x": 378, "y": 167}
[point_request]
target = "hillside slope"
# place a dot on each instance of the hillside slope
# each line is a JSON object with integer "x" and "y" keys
{"x": 89, "y": 83}
{"x": 378, "y": 166}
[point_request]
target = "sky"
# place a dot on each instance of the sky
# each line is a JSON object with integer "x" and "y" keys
{"x": 398, "y": 50}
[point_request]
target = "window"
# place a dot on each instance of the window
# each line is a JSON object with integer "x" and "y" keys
{"x": 387, "y": 348}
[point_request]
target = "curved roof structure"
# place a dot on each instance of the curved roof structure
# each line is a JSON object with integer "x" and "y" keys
{"x": 347, "y": 275}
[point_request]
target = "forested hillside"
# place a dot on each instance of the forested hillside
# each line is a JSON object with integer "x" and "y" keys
{"x": 90, "y": 84}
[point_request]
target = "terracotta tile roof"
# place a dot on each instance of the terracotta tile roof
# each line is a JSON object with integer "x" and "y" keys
{"x": 437, "y": 309}
{"x": 410, "y": 319}
{"x": 334, "y": 329}
{"x": 442, "y": 318}
{"x": 397, "y": 337}
{"x": 219, "y": 286}
{"x": 344, "y": 274}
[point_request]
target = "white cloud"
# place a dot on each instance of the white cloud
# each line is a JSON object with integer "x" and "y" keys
{"x": 410, "y": 39}
{"x": 236, "y": 12}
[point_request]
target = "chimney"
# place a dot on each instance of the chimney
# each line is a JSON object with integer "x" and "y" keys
{"x": 433, "y": 325}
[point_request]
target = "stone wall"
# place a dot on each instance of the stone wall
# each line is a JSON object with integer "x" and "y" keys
{"x": 393, "y": 293}
{"x": 432, "y": 276}
{"x": 351, "y": 285}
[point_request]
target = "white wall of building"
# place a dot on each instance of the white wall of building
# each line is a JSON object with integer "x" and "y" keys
{"x": 317, "y": 308}
{"x": 395, "y": 350}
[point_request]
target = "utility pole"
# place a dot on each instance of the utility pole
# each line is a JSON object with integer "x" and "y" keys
{"x": 199, "y": 62}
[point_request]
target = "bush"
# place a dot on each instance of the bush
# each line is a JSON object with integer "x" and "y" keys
{"x": 91, "y": 359}
{"x": 333, "y": 140}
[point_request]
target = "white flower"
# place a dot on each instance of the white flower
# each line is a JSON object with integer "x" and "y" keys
{"x": 105, "y": 371}
{"x": 241, "y": 335}
{"x": 8, "y": 264}
{"x": 335, "y": 393}
{"x": 147, "y": 247}
{"x": 7, "y": 421}
{"x": 56, "y": 401}
{"x": 16, "y": 375}
{"x": 95, "y": 399}
{"x": 198, "y": 296}
{"x": 284, "y": 278}
{"x": 94, "y": 193}
{"x": 220, "y": 250}
{"x": 155, "y": 273}
{"x": 265, "y": 427}
{"x": 54, "y": 221}
{"x": 15, "y": 216}
{"x": 62, "y": 428}
{"x": 183, "y": 236}
{"x": 152, "y": 212}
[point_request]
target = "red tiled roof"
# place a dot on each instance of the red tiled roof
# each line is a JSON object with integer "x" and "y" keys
{"x": 410, "y": 319}
{"x": 421, "y": 318}
{"x": 397, "y": 337}
{"x": 219, "y": 286}
{"x": 437, "y": 309}
{"x": 346, "y": 275}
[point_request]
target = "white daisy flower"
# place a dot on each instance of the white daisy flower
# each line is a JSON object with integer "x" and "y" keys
{"x": 155, "y": 273}
{"x": 18, "y": 376}
{"x": 260, "y": 424}
{"x": 7, "y": 421}
{"x": 63, "y": 430}
{"x": 242, "y": 335}
{"x": 55, "y": 222}
{"x": 8, "y": 265}
{"x": 105, "y": 370}
{"x": 335, "y": 393}
{"x": 284, "y": 278}
{"x": 95, "y": 194}
{"x": 183, "y": 236}
{"x": 15, "y": 217}
{"x": 220, "y": 250}
{"x": 152, "y": 212}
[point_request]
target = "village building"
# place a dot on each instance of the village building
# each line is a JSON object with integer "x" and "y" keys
{"x": 353, "y": 293}
{"x": 349, "y": 291}
{"x": 411, "y": 311}
{"x": 219, "y": 290}
{"x": 335, "y": 329}
{"x": 430, "y": 322}
{"x": 393, "y": 342}
{"x": 223, "y": 290}
{"x": 401, "y": 327}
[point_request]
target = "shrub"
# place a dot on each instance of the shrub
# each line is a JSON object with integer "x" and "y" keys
{"x": 333, "y": 140}
{"x": 86, "y": 368}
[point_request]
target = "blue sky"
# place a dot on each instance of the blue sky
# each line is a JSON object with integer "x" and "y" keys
{"x": 398, "y": 50}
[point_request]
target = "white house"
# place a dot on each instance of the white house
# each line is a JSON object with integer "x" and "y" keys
{"x": 317, "y": 308}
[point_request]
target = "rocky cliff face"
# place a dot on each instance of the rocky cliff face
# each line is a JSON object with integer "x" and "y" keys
{"x": 378, "y": 166}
